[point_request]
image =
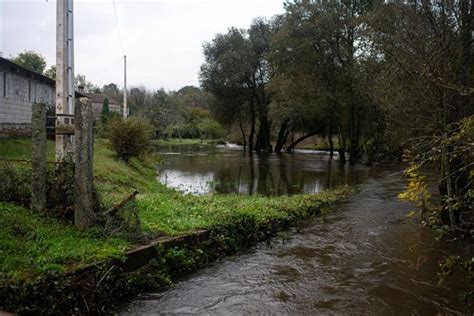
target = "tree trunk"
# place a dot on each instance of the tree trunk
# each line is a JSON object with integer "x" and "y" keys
{"x": 331, "y": 145}
{"x": 282, "y": 136}
{"x": 449, "y": 186}
{"x": 244, "y": 140}
{"x": 302, "y": 138}
{"x": 252, "y": 127}
{"x": 446, "y": 167}
{"x": 354, "y": 134}
{"x": 342, "y": 149}
{"x": 251, "y": 179}
{"x": 263, "y": 136}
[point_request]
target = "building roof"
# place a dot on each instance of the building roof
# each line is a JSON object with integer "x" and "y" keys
{"x": 5, "y": 63}
{"x": 13, "y": 67}
{"x": 99, "y": 98}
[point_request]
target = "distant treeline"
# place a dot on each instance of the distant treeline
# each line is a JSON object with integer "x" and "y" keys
{"x": 181, "y": 114}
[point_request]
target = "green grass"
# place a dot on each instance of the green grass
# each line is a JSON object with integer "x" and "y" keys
{"x": 31, "y": 244}
{"x": 174, "y": 213}
{"x": 20, "y": 148}
{"x": 115, "y": 179}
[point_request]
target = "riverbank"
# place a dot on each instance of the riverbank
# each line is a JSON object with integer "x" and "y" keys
{"x": 47, "y": 265}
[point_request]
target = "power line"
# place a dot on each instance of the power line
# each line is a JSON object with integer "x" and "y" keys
{"x": 117, "y": 24}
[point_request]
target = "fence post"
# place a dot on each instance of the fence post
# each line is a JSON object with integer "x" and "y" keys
{"x": 84, "y": 214}
{"x": 38, "y": 157}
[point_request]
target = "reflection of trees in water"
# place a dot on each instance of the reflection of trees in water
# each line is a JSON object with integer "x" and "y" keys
{"x": 225, "y": 181}
{"x": 275, "y": 175}
{"x": 272, "y": 186}
{"x": 234, "y": 172}
{"x": 263, "y": 173}
{"x": 329, "y": 183}
{"x": 284, "y": 185}
{"x": 301, "y": 181}
{"x": 252, "y": 175}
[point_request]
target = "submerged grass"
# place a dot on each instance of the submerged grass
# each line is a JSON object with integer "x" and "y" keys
{"x": 31, "y": 244}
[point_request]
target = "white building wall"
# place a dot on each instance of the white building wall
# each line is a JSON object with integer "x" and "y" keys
{"x": 16, "y": 103}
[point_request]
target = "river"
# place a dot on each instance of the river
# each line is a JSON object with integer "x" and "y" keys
{"x": 364, "y": 257}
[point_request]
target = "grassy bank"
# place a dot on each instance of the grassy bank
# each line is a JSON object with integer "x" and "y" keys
{"x": 33, "y": 246}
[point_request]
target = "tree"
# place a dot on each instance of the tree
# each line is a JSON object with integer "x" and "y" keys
{"x": 105, "y": 112}
{"x": 192, "y": 97}
{"x": 51, "y": 72}
{"x": 426, "y": 88}
{"x": 81, "y": 80}
{"x": 236, "y": 71}
{"x": 260, "y": 34}
{"x": 31, "y": 60}
{"x": 321, "y": 72}
{"x": 111, "y": 90}
{"x": 227, "y": 75}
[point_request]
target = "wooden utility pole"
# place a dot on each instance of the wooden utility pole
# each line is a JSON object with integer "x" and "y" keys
{"x": 64, "y": 77}
{"x": 125, "y": 106}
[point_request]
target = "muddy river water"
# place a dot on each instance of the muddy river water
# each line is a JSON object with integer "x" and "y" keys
{"x": 366, "y": 257}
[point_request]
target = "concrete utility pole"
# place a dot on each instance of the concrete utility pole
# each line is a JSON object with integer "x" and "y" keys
{"x": 64, "y": 77}
{"x": 125, "y": 107}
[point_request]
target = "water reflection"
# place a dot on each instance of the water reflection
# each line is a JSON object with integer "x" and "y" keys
{"x": 208, "y": 169}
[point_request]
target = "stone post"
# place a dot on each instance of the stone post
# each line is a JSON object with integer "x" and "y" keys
{"x": 38, "y": 157}
{"x": 84, "y": 215}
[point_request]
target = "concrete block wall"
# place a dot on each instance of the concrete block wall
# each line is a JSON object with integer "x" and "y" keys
{"x": 16, "y": 106}
{"x": 97, "y": 110}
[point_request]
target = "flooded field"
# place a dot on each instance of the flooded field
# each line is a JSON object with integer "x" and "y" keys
{"x": 228, "y": 169}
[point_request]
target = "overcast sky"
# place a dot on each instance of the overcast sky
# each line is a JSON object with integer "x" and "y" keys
{"x": 162, "y": 38}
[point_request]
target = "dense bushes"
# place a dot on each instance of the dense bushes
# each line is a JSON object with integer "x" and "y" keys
{"x": 15, "y": 184}
{"x": 198, "y": 124}
{"x": 210, "y": 129}
{"x": 129, "y": 138}
{"x": 15, "y": 187}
